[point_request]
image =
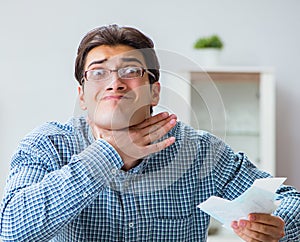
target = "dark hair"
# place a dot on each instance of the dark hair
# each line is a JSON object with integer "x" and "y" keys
{"x": 113, "y": 35}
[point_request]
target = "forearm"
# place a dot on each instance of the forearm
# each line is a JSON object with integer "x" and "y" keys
{"x": 289, "y": 211}
{"x": 38, "y": 211}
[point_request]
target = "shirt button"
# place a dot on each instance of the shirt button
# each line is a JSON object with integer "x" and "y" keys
{"x": 85, "y": 194}
{"x": 131, "y": 225}
{"x": 113, "y": 171}
{"x": 126, "y": 184}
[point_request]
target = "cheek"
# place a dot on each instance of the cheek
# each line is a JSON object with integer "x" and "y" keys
{"x": 93, "y": 93}
{"x": 142, "y": 92}
{"x": 91, "y": 103}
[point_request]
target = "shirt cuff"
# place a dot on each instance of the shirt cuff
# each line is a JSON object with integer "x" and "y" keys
{"x": 101, "y": 161}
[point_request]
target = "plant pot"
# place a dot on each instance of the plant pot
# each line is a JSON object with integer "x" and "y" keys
{"x": 207, "y": 56}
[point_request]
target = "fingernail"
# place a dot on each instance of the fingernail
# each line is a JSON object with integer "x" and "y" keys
{"x": 234, "y": 225}
{"x": 252, "y": 217}
{"x": 172, "y": 139}
{"x": 165, "y": 115}
{"x": 172, "y": 121}
{"x": 242, "y": 223}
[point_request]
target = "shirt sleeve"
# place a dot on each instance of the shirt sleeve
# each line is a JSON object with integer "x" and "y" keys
{"x": 234, "y": 174}
{"x": 38, "y": 202}
{"x": 289, "y": 211}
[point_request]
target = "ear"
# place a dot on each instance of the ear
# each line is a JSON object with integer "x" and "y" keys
{"x": 81, "y": 98}
{"x": 155, "y": 92}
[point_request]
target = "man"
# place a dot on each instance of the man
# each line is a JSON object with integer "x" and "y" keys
{"x": 120, "y": 174}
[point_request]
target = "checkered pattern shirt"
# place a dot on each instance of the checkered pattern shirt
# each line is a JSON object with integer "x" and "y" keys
{"x": 65, "y": 186}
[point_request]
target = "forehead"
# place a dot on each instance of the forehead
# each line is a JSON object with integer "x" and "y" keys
{"x": 113, "y": 55}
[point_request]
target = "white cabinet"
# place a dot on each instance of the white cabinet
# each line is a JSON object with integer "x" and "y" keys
{"x": 241, "y": 111}
{"x": 234, "y": 103}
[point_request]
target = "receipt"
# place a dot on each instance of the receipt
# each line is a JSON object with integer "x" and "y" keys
{"x": 259, "y": 198}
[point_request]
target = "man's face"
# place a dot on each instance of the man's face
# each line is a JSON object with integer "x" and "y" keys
{"x": 117, "y": 103}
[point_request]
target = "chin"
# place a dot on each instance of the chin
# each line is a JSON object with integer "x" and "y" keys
{"x": 121, "y": 119}
{"x": 111, "y": 124}
{"x": 117, "y": 123}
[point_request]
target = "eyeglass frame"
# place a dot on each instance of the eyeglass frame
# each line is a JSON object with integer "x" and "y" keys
{"x": 117, "y": 71}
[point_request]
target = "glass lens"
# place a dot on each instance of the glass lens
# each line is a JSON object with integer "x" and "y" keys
{"x": 130, "y": 72}
{"x": 98, "y": 74}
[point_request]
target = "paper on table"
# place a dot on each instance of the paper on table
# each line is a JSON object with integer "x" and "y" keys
{"x": 259, "y": 198}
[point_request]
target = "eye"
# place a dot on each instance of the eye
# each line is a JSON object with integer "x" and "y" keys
{"x": 131, "y": 72}
{"x": 99, "y": 73}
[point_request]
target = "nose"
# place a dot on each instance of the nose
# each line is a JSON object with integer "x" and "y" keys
{"x": 115, "y": 83}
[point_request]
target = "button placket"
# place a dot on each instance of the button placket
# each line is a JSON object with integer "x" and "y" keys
{"x": 130, "y": 212}
{"x": 130, "y": 217}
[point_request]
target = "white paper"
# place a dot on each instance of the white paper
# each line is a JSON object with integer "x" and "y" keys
{"x": 259, "y": 198}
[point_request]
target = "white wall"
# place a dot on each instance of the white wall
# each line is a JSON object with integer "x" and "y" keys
{"x": 39, "y": 40}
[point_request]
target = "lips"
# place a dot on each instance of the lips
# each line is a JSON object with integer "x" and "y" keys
{"x": 113, "y": 97}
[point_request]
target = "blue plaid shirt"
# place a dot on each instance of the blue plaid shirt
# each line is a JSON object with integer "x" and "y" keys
{"x": 66, "y": 186}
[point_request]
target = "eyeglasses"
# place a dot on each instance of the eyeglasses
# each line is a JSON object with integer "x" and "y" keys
{"x": 126, "y": 73}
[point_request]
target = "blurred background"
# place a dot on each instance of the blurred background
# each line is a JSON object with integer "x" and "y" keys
{"x": 39, "y": 40}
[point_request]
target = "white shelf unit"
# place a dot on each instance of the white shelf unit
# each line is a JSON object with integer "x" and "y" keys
{"x": 238, "y": 104}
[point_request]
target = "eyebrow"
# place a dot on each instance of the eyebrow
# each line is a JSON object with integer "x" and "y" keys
{"x": 125, "y": 59}
{"x": 131, "y": 59}
{"x": 97, "y": 62}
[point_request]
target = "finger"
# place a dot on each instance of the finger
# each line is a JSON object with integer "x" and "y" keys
{"x": 241, "y": 232}
{"x": 153, "y": 148}
{"x": 152, "y": 120}
{"x": 267, "y": 224}
{"x": 255, "y": 236}
{"x": 245, "y": 237}
{"x": 160, "y": 132}
{"x": 140, "y": 152}
{"x": 259, "y": 231}
{"x": 161, "y": 125}
{"x": 263, "y": 229}
{"x": 266, "y": 219}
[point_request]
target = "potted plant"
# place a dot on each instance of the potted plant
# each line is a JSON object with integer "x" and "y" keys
{"x": 208, "y": 50}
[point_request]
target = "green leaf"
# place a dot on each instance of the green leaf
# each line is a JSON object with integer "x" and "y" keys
{"x": 212, "y": 41}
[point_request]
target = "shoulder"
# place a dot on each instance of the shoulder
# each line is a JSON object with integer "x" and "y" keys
{"x": 55, "y": 127}
{"x": 45, "y": 133}
{"x": 185, "y": 132}
{"x": 49, "y": 141}
{"x": 202, "y": 142}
